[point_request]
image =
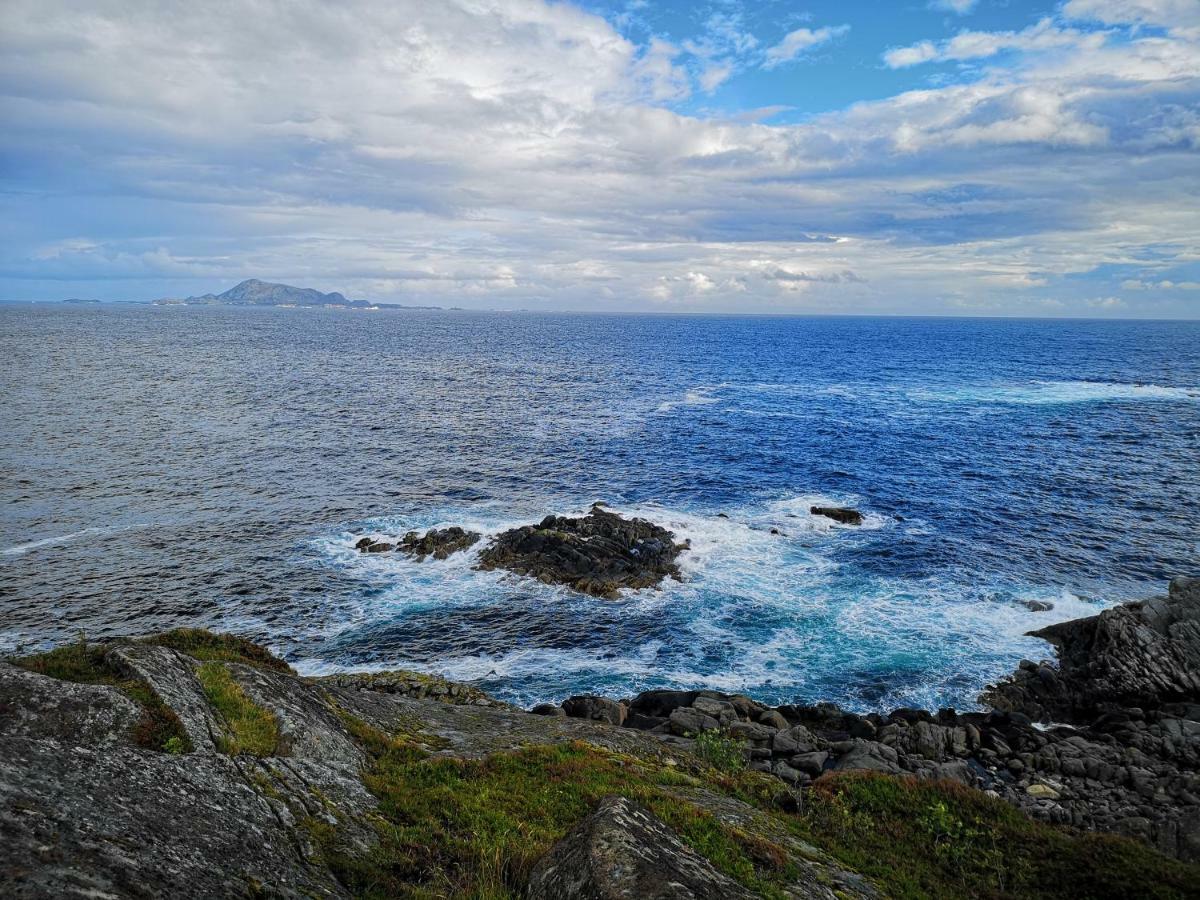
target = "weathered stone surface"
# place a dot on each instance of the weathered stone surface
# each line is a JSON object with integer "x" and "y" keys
{"x": 33, "y": 706}
{"x": 172, "y": 675}
{"x": 598, "y": 709}
{"x": 598, "y": 554}
{"x": 622, "y": 852}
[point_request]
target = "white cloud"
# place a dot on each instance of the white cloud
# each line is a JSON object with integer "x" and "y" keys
{"x": 1168, "y": 13}
{"x": 1134, "y": 284}
{"x": 959, "y": 7}
{"x": 514, "y": 153}
{"x": 796, "y": 42}
{"x": 972, "y": 45}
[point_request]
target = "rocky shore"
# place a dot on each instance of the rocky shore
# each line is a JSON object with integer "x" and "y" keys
{"x": 193, "y": 764}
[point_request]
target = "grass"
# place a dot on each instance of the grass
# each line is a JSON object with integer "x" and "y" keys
{"x": 249, "y": 728}
{"x": 157, "y": 729}
{"x": 207, "y": 646}
{"x": 922, "y": 839}
{"x": 475, "y": 828}
{"x": 721, "y": 751}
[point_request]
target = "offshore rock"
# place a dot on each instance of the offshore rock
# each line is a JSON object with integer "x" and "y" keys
{"x": 597, "y": 554}
{"x": 842, "y": 514}
{"x": 621, "y": 852}
{"x": 438, "y": 542}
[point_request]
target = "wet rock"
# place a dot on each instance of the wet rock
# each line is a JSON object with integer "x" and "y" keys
{"x": 842, "y": 514}
{"x": 599, "y": 554}
{"x": 623, "y": 851}
{"x": 379, "y": 547}
{"x": 439, "y": 543}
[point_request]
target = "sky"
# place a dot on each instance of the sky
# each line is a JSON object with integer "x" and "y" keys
{"x": 932, "y": 157}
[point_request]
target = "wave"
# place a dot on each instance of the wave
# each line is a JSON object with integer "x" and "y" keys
{"x": 1059, "y": 392}
{"x": 21, "y": 549}
{"x": 778, "y": 614}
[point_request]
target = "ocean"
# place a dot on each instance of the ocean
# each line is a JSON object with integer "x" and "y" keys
{"x": 214, "y": 466}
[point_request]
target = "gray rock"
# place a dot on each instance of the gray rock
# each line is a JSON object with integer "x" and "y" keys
{"x": 597, "y": 709}
{"x": 623, "y": 852}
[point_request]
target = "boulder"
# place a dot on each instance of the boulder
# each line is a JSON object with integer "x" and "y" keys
{"x": 598, "y": 709}
{"x": 842, "y": 514}
{"x": 622, "y": 851}
{"x": 599, "y": 554}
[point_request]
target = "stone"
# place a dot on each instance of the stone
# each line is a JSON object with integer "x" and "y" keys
{"x": 688, "y": 722}
{"x": 622, "y": 852}
{"x": 548, "y": 709}
{"x": 598, "y": 709}
{"x": 773, "y": 719}
{"x": 440, "y": 543}
{"x": 599, "y": 554}
{"x": 812, "y": 763}
{"x": 842, "y": 514}
{"x": 796, "y": 739}
{"x": 1042, "y": 792}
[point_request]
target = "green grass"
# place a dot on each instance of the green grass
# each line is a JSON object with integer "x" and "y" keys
{"x": 923, "y": 839}
{"x": 249, "y": 728}
{"x": 475, "y": 828}
{"x": 158, "y": 729}
{"x": 207, "y": 646}
{"x": 721, "y": 751}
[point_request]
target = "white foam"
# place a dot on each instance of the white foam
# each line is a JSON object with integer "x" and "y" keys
{"x": 1054, "y": 392}
{"x": 20, "y": 549}
{"x": 697, "y": 397}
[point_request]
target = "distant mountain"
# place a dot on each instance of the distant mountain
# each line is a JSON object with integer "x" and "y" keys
{"x": 253, "y": 292}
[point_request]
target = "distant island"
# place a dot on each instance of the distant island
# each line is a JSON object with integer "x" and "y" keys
{"x": 77, "y": 300}
{"x": 253, "y": 292}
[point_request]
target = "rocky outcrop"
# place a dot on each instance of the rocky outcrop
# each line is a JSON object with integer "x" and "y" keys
{"x": 622, "y": 851}
{"x": 440, "y": 543}
{"x": 1143, "y": 655}
{"x": 842, "y": 514}
{"x": 598, "y": 554}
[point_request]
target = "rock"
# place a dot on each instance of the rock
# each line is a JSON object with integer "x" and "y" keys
{"x": 363, "y": 543}
{"x": 751, "y": 731}
{"x": 380, "y": 547}
{"x": 1042, "y": 792}
{"x": 688, "y": 722}
{"x": 439, "y": 543}
{"x": 598, "y": 709}
{"x": 842, "y": 514}
{"x": 1037, "y": 605}
{"x": 661, "y": 703}
{"x": 796, "y": 739}
{"x": 548, "y": 709}
{"x": 773, "y": 719}
{"x": 599, "y": 554}
{"x": 869, "y": 756}
{"x": 812, "y": 763}
{"x": 622, "y": 852}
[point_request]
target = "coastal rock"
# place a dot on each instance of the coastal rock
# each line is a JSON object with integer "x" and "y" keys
{"x": 597, "y": 709}
{"x": 439, "y": 543}
{"x": 842, "y": 514}
{"x": 597, "y": 554}
{"x": 622, "y": 851}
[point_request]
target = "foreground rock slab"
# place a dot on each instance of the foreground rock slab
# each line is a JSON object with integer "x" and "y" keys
{"x": 597, "y": 554}
{"x": 622, "y": 852}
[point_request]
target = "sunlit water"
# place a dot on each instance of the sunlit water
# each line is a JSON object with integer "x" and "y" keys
{"x": 168, "y": 466}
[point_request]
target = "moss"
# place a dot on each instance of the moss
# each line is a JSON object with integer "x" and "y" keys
{"x": 158, "y": 729}
{"x": 207, "y": 646}
{"x": 924, "y": 839}
{"x": 249, "y": 728}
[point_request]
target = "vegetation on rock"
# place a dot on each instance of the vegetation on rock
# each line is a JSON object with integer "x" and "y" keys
{"x": 249, "y": 728}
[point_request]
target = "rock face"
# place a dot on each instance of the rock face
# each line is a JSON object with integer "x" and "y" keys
{"x": 622, "y": 852}
{"x": 598, "y": 554}
{"x": 839, "y": 514}
{"x": 1143, "y": 655}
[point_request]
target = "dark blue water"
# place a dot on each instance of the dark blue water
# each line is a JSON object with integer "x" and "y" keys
{"x": 167, "y": 466}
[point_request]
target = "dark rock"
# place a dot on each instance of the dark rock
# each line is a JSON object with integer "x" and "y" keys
{"x": 380, "y": 547}
{"x": 842, "y": 514}
{"x": 363, "y": 543}
{"x": 621, "y": 852}
{"x": 438, "y": 542}
{"x": 548, "y": 709}
{"x": 598, "y": 554}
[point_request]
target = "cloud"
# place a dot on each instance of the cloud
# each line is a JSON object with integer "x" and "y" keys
{"x": 798, "y": 41}
{"x": 959, "y": 7}
{"x": 973, "y": 45}
{"x": 1168, "y": 13}
{"x": 1134, "y": 284}
{"x": 517, "y": 153}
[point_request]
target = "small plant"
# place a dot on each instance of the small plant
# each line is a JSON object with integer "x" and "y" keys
{"x": 250, "y": 728}
{"x": 204, "y": 645}
{"x": 721, "y": 750}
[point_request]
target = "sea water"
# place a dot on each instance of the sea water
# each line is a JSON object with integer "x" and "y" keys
{"x": 214, "y": 466}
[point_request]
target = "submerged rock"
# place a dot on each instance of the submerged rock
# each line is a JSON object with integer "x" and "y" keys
{"x": 597, "y": 554}
{"x": 841, "y": 514}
